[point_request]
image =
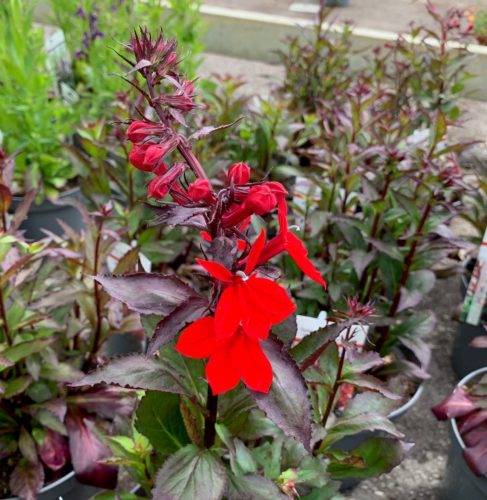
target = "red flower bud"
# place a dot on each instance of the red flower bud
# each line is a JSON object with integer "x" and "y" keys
{"x": 160, "y": 186}
{"x": 239, "y": 173}
{"x": 199, "y": 190}
{"x": 139, "y": 130}
{"x": 260, "y": 199}
{"x": 137, "y": 155}
{"x": 155, "y": 154}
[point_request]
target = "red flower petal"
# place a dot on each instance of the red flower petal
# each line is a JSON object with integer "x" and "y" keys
{"x": 249, "y": 358}
{"x": 228, "y": 313}
{"x": 198, "y": 340}
{"x": 268, "y": 298}
{"x": 222, "y": 375}
{"x": 299, "y": 253}
{"x": 216, "y": 270}
{"x": 255, "y": 252}
{"x": 257, "y": 325}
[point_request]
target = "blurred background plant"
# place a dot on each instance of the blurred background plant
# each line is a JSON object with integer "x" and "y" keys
{"x": 35, "y": 120}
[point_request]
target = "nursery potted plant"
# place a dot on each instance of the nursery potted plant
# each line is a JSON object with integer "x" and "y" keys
{"x": 234, "y": 311}
{"x": 35, "y": 121}
{"x": 467, "y": 464}
{"x": 50, "y": 441}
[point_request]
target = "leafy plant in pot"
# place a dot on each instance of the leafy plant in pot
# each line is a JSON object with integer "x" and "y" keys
{"x": 48, "y": 429}
{"x": 35, "y": 122}
{"x": 223, "y": 433}
{"x": 467, "y": 462}
{"x": 383, "y": 185}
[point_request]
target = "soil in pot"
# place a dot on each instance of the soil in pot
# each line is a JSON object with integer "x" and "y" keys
{"x": 460, "y": 481}
{"x": 45, "y": 215}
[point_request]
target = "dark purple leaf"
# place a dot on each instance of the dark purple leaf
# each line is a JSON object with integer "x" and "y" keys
{"x": 458, "y": 404}
{"x": 205, "y": 131}
{"x": 360, "y": 362}
{"x": 370, "y": 402}
{"x": 419, "y": 348}
{"x": 138, "y": 372}
{"x": 370, "y": 382}
{"x": 87, "y": 453}
{"x": 360, "y": 260}
{"x": 479, "y": 342}
{"x": 190, "y": 473}
{"x": 287, "y": 404}
{"x": 148, "y": 293}
{"x": 476, "y": 458}
{"x": 468, "y": 422}
{"x": 172, "y": 214}
{"x": 172, "y": 324}
{"x": 22, "y": 210}
{"x": 349, "y": 426}
{"x": 310, "y": 347}
{"x": 27, "y": 479}
{"x": 476, "y": 436}
{"x": 105, "y": 401}
{"x": 409, "y": 298}
{"x": 389, "y": 249}
{"x": 53, "y": 450}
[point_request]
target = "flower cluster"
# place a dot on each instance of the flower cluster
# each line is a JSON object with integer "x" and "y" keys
{"x": 245, "y": 302}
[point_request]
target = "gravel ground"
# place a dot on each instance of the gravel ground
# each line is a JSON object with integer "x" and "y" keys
{"x": 421, "y": 474}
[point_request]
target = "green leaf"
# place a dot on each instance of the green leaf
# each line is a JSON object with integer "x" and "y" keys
{"x": 370, "y": 402}
{"x": 252, "y": 487}
{"x": 24, "y": 349}
{"x": 17, "y": 386}
{"x": 189, "y": 474}
{"x": 379, "y": 455}
{"x": 159, "y": 419}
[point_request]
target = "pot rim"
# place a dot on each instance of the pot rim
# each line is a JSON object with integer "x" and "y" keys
{"x": 50, "y": 486}
{"x": 408, "y": 404}
{"x": 453, "y": 421}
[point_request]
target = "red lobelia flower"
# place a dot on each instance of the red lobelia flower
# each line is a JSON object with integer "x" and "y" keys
{"x": 234, "y": 358}
{"x": 248, "y": 301}
{"x": 286, "y": 241}
{"x": 239, "y": 173}
{"x": 139, "y": 130}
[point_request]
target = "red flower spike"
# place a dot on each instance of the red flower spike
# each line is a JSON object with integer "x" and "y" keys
{"x": 238, "y": 357}
{"x": 199, "y": 190}
{"x": 287, "y": 241}
{"x": 239, "y": 173}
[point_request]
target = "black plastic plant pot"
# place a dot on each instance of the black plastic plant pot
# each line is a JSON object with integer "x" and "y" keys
{"x": 460, "y": 481}
{"x": 65, "y": 488}
{"x": 45, "y": 215}
{"x": 464, "y": 358}
{"x": 350, "y": 442}
{"x": 337, "y": 3}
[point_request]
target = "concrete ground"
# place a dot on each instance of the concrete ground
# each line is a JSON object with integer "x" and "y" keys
{"x": 390, "y": 15}
{"x": 420, "y": 476}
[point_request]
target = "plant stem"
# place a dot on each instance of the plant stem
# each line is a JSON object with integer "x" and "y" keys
{"x": 384, "y": 331}
{"x": 3, "y": 315}
{"x": 183, "y": 148}
{"x": 97, "y": 295}
{"x": 210, "y": 418}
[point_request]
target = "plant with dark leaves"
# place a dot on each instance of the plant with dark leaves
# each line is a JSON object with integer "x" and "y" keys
{"x": 47, "y": 429}
{"x": 467, "y": 405}
{"x": 382, "y": 181}
{"x": 279, "y": 431}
